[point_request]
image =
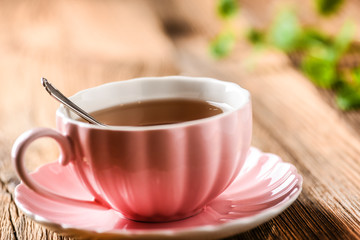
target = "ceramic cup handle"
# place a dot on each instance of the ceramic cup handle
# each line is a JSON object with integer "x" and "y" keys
{"x": 66, "y": 155}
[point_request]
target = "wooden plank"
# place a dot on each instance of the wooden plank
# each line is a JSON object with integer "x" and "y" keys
{"x": 7, "y": 225}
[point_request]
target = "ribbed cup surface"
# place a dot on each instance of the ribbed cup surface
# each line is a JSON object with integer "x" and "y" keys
{"x": 167, "y": 172}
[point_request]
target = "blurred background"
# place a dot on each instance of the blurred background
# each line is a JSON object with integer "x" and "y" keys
{"x": 299, "y": 59}
{"x": 80, "y": 44}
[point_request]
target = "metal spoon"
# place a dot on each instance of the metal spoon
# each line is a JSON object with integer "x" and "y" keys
{"x": 72, "y": 106}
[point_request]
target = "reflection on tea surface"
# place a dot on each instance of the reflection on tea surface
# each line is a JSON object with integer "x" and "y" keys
{"x": 157, "y": 112}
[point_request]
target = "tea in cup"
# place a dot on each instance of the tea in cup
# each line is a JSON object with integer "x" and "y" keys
{"x": 172, "y": 145}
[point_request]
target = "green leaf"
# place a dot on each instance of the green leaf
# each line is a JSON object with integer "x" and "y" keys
{"x": 343, "y": 39}
{"x": 286, "y": 31}
{"x": 311, "y": 38}
{"x": 348, "y": 97}
{"x": 223, "y": 44}
{"x": 320, "y": 66}
{"x": 255, "y": 36}
{"x": 227, "y": 8}
{"x": 328, "y": 7}
{"x": 355, "y": 73}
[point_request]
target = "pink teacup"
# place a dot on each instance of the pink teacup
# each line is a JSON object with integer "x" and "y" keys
{"x": 150, "y": 173}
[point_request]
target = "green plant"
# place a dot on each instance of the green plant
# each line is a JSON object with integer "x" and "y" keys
{"x": 328, "y": 7}
{"x": 318, "y": 54}
{"x": 224, "y": 42}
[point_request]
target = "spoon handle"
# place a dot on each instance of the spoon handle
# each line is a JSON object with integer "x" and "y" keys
{"x": 64, "y": 100}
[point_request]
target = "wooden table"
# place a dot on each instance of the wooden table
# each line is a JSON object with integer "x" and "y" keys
{"x": 80, "y": 44}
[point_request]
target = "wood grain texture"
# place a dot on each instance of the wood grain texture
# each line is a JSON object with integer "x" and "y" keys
{"x": 80, "y": 44}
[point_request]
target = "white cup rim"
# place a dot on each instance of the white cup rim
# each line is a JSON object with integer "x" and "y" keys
{"x": 64, "y": 113}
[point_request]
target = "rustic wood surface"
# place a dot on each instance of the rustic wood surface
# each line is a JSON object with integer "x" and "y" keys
{"x": 80, "y": 44}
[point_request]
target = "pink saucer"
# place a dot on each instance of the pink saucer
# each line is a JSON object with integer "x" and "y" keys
{"x": 265, "y": 187}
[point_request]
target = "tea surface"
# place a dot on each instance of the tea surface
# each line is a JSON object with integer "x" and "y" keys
{"x": 156, "y": 112}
